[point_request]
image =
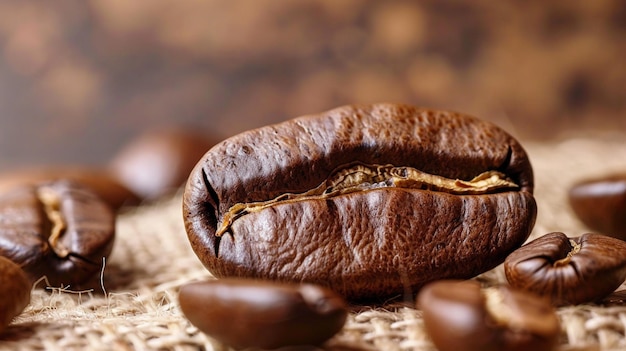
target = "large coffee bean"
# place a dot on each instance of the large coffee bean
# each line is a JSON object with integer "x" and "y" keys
{"x": 460, "y": 316}
{"x": 60, "y": 230}
{"x": 248, "y": 313}
{"x": 14, "y": 291}
{"x": 368, "y": 200}
{"x": 600, "y": 203}
{"x": 568, "y": 270}
{"x": 104, "y": 184}
{"x": 159, "y": 161}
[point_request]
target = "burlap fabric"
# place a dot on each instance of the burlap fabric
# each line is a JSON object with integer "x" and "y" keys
{"x": 134, "y": 304}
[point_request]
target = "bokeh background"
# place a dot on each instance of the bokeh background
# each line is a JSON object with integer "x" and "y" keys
{"x": 78, "y": 79}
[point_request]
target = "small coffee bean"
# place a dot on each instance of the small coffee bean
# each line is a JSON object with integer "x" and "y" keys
{"x": 14, "y": 291}
{"x": 60, "y": 230}
{"x": 616, "y": 298}
{"x": 568, "y": 270}
{"x": 159, "y": 161}
{"x": 248, "y": 313}
{"x": 600, "y": 203}
{"x": 460, "y": 316}
{"x": 98, "y": 180}
{"x": 370, "y": 201}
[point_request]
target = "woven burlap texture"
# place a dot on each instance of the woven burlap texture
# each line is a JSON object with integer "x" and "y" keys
{"x": 133, "y": 304}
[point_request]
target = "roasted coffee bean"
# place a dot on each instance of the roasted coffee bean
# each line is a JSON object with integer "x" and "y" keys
{"x": 600, "y": 203}
{"x": 568, "y": 270}
{"x": 159, "y": 161}
{"x": 248, "y": 313}
{"x": 369, "y": 200}
{"x": 460, "y": 316}
{"x": 14, "y": 291}
{"x": 104, "y": 184}
{"x": 616, "y": 298}
{"x": 60, "y": 230}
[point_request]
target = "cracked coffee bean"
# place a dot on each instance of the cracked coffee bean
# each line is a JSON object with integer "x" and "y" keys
{"x": 158, "y": 162}
{"x": 600, "y": 203}
{"x": 378, "y": 177}
{"x": 371, "y": 201}
{"x": 248, "y": 313}
{"x": 569, "y": 271}
{"x": 460, "y": 316}
{"x": 60, "y": 230}
{"x": 14, "y": 291}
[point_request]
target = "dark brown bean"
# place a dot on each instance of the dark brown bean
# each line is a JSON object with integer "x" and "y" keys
{"x": 368, "y": 200}
{"x": 568, "y": 270}
{"x": 460, "y": 316}
{"x": 248, "y": 313}
{"x": 98, "y": 180}
{"x": 616, "y": 298}
{"x": 600, "y": 203}
{"x": 60, "y": 230}
{"x": 159, "y": 161}
{"x": 14, "y": 291}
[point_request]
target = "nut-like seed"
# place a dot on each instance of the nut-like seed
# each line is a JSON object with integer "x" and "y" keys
{"x": 61, "y": 230}
{"x": 369, "y": 200}
{"x": 568, "y": 270}
{"x": 250, "y": 313}
{"x": 14, "y": 291}
{"x": 600, "y": 203}
{"x": 460, "y": 316}
{"x": 159, "y": 161}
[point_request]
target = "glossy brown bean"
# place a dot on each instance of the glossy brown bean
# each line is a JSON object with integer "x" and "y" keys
{"x": 159, "y": 161}
{"x": 369, "y": 200}
{"x": 14, "y": 291}
{"x": 248, "y": 313}
{"x": 600, "y": 203}
{"x": 60, "y": 230}
{"x": 460, "y": 316}
{"x": 568, "y": 270}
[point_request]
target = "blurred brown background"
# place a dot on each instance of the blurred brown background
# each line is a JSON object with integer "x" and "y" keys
{"x": 79, "y": 78}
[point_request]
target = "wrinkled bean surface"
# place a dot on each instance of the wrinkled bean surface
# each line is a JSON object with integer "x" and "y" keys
{"x": 371, "y": 201}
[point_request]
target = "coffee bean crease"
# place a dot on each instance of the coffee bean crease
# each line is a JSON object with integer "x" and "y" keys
{"x": 369, "y": 177}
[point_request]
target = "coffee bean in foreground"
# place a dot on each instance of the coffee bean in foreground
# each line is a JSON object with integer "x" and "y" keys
{"x": 247, "y": 313}
{"x": 600, "y": 203}
{"x": 460, "y": 316}
{"x": 14, "y": 291}
{"x": 569, "y": 271}
{"x": 61, "y": 230}
{"x": 370, "y": 201}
